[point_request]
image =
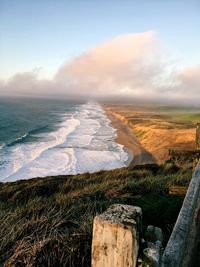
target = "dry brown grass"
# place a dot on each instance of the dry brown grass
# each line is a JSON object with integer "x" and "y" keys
{"x": 48, "y": 221}
{"x": 157, "y": 131}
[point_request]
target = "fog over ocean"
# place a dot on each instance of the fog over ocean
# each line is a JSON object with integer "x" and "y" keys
{"x": 41, "y": 137}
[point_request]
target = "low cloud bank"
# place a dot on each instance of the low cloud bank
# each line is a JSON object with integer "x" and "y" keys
{"x": 128, "y": 66}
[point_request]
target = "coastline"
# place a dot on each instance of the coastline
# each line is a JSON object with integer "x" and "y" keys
{"x": 137, "y": 155}
{"x": 129, "y": 153}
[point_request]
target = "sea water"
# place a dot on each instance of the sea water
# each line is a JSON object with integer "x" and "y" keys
{"x": 40, "y": 137}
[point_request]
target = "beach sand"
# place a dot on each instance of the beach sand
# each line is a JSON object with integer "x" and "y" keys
{"x": 137, "y": 154}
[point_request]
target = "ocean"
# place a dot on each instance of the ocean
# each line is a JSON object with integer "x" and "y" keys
{"x": 40, "y": 137}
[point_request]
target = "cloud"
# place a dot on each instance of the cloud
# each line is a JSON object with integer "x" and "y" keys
{"x": 128, "y": 66}
{"x": 190, "y": 80}
{"x": 189, "y": 84}
{"x": 185, "y": 87}
{"x": 27, "y": 83}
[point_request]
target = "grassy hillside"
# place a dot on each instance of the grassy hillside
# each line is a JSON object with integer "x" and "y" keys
{"x": 48, "y": 221}
{"x": 159, "y": 128}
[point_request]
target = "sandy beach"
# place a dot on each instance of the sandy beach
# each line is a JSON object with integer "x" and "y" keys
{"x": 137, "y": 154}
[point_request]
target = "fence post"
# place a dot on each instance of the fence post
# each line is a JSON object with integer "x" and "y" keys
{"x": 198, "y": 136}
{"x": 116, "y": 236}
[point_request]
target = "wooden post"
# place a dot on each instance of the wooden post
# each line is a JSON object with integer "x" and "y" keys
{"x": 198, "y": 136}
{"x": 116, "y": 237}
{"x": 196, "y": 159}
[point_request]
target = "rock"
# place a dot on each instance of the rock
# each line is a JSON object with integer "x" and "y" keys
{"x": 116, "y": 237}
{"x": 153, "y": 234}
{"x": 153, "y": 254}
{"x": 153, "y": 237}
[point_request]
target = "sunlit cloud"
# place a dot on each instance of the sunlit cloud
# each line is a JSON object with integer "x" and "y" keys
{"x": 125, "y": 64}
{"x": 190, "y": 79}
{"x": 128, "y": 66}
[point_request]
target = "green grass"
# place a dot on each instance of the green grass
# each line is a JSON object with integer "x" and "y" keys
{"x": 175, "y": 109}
{"x": 193, "y": 117}
{"x": 187, "y": 115}
{"x": 48, "y": 221}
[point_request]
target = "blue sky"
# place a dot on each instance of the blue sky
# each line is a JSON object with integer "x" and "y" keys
{"x": 46, "y": 33}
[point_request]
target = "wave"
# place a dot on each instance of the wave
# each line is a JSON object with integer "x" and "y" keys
{"x": 2, "y": 145}
{"x": 36, "y": 159}
{"x": 39, "y": 129}
{"x": 83, "y": 142}
{"x": 18, "y": 140}
{"x": 27, "y": 135}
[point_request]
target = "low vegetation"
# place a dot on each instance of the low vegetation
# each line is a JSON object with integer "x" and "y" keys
{"x": 48, "y": 221}
{"x": 159, "y": 127}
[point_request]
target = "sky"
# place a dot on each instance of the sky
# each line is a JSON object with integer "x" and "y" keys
{"x": 46, "y": 44}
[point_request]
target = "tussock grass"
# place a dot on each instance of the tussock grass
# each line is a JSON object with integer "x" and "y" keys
{"x": 48, "y": 221}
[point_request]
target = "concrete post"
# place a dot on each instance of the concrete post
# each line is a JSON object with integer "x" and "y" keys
{"x": 116, "y": 237}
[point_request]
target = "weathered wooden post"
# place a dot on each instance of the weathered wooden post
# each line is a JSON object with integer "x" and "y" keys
{"x": 116, "y": 236}
{"x": 196, "y": 159}
{"x": 198, "y": 136}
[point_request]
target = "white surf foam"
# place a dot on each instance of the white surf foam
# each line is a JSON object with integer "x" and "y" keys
{"x": 2, "y": 145}
{"x": 83, "y": 143}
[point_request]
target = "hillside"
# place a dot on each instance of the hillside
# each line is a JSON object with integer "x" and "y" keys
{"x": 159, "y": 128}
{"x": 48, "y": 222}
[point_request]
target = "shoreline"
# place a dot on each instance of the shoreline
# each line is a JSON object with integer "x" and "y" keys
{"x": 137, "y": 155}
{"x": 130, "y": 155}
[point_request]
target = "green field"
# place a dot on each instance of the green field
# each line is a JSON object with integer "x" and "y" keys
{"x": 193, "y": 117}
{"x": 189, "y": 114}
